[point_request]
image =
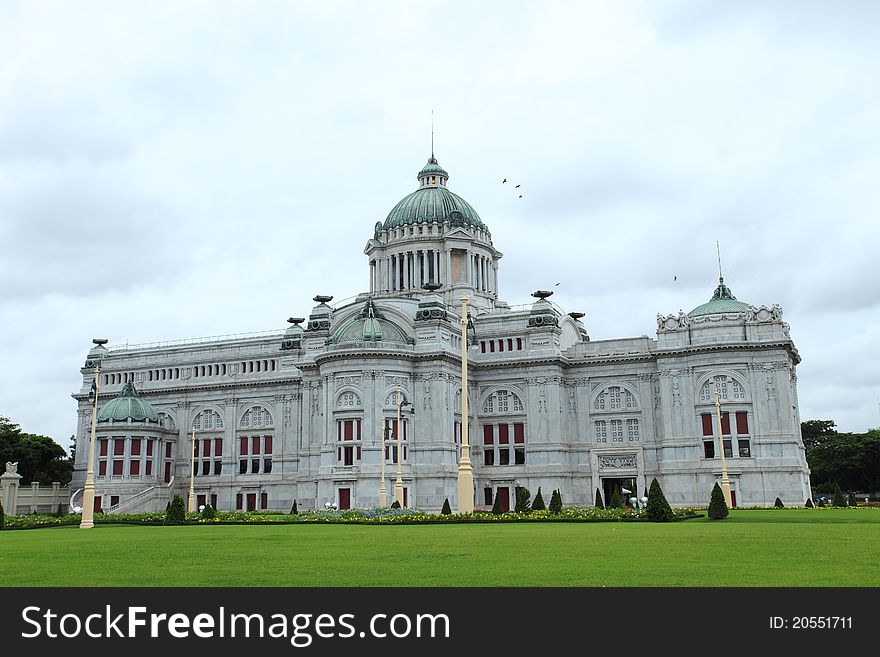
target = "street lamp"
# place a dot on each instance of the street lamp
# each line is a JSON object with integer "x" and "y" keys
{"x": 88, "y": 513}
{"x": 191, "y": 505}
{"x": 725, "y": 482}
{"x": 465, "y": 469}
{"x": 398, "y": 484}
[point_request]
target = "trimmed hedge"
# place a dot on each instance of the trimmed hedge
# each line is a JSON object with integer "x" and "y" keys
{"x": 538, "y": 504}
{"x": 717, "y": 505}
{"x": 658, "y": 508}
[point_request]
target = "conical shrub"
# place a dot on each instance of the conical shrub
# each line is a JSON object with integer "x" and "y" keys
{"x": 293, "y": 510}
{"x": 555, "y": 503}
{"x": 538, "y": 504}
{"x": 717, "y": 506}
{"x": 778, "y": 504}
{"x": 599, "y": 503}
{"x": 176, "y": 513}
{"x": 2, "y": 516}
{"x": 658, "y": 508}
{"x": 839, "y": 499}
{"x": 446, "y": 511}
{"x": 809, "y": 503}
{"x": 522, "y": 500}
{"x": 616, "y": 502}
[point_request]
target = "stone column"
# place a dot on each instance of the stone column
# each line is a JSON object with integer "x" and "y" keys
{"x": 9, "y": 488}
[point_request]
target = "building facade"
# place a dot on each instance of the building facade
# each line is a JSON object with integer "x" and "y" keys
{"x": 310, "y": 413}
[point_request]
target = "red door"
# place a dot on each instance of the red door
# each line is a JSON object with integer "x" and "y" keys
{"x": 504, "y": 493}
{"x": 344, "y": 498}
{"x": 251, "y": 501}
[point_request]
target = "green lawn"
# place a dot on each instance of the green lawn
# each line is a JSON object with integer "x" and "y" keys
{"x": 751, "y": 548}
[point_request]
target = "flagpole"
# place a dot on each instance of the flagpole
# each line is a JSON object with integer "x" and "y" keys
{"x": 191, "y": 506}
{"x": 88, "y": 513}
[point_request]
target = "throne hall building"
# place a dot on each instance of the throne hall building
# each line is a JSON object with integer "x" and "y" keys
{"x": 310, "y": 413}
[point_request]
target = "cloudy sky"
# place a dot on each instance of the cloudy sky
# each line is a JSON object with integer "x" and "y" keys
{"x": 182, "y": 169}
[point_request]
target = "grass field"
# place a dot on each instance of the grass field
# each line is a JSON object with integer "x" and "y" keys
{"x": 751, "y": 548}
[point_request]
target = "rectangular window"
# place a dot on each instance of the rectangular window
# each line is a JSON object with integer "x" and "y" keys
{"x": 117, "y": 468}
{"x": 745, "y": 449}
{"x": 348, "y": 430}
{"x": 195, "y": 449}
{"x": 616, "y": 431}
{"x": 725, "y": 423}
{"x": 206, "y": 468}
{"x": 264, "y": 500}
{"x": 267, "y": 445}
{"x": 503, "y": 438}
{"x": 347, "y": 453}
{"x": 632, "y": 428}
{"x": 728, "y": 449}
{"x": 742, "y": 423}
{"x": 242, "y": 466}
{"x": 150, "y": 447}
{"x": 218, "y": 448}
{"x": 519, "y": 455}
{"x": 149, "y": 470}
{"x": 255, "y": 445}
{"x": 487, "y": 496}
{"x": 488, "y": 434}
{"x": 136, "y": 446}
{"x": 168, "y": 447}
{"x": 489, "y": 456}
{"x": 601, "y": 435}
{"x": 707, "y": 424}
{"x": 519, "y": 435}
{"x": 218, "y": 468}
{"x": 114, "y": 500}
{"x": 102, "y": 469}
{"x": 134, "y": 469}
{"x": 214, "y": 495}
{"x": 206, "y": 447}
{"x": 102, "y": 447}
{"x": 267, "y": 465}
{"x": 118, "y": 446}
{"x": 238, "y": 501}
{"x": 504, "y": 456}
{"x": 519, "y": 344}
{"x": 709, "y": 449}
{"x": 255, "y": 466}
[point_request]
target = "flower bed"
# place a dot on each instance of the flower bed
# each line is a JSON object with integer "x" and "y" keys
{"x": 350, "y": 516}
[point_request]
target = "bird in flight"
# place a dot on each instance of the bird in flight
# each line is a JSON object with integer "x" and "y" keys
{"x": 504, "y": 181}
{"x": 518, "y": 186}
{"x": 557, "y": 283}
{"x": 520, "y": 195}
{"x": 674, "y": 278}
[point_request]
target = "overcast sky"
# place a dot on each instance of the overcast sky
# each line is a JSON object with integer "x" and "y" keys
{"x": 180, "y": 169}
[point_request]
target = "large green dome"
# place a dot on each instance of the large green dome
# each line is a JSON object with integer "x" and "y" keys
{"x": 369, "y": 326}
{"x": 127, "y": 406}
{"x": 433, "y": 202}
{"x": 721, "y": 302}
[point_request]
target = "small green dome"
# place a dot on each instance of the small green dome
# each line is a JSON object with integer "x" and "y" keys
{"x": 432, "y": 201}
{"x": 721, "y": 302}
{"x": 127, "y": 406}
{"x": 369, "y": 326}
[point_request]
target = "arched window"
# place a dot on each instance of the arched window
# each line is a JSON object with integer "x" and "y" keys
{"x": 349, "y": 400}
{"x": 615, "y": 398}
{"x": 730, "y": 388}
{"x": 208, "y": 420}
{"x": 503, "y": 401}
{"x": 391, "y": 398}
{"x": 255, "y": 418}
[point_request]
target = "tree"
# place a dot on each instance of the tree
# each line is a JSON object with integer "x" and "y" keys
{"x": 599, "y": 503}
{"x": 293, "y": 510}
{"x": 39, "y": 458}
{"x": 523, "y": 495}
{"x": 538, "y": 504}
{"x": 446, "y": 511}
{"x": 556, "y": 503}
{"x": 59, "y": 511}
{"x": 658, "y": 508}
{"x": 838, "y": 499}
{"x": 616, "y": 502}
{"x": 778, "y": 504}
{"x": 717, "y": 505}
{"x": 395, "y": 505}
{"x": 815, "y": 432}
{"x": 176, "y": 513}
{"x": 809, "y": 503}
{"x": 496, "y": 508}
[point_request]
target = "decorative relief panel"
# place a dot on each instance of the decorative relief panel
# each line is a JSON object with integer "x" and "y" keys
{"x": 617, "y": 461}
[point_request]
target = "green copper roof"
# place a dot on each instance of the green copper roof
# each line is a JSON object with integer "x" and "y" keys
{"x": 722, "y": 301}
{"x": 128, "y": 405}
{"x": 369, "y": 326}
{"x": 433, "y": 202}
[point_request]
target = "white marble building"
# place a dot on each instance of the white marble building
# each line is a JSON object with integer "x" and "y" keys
{"x": 301, "y": 413}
